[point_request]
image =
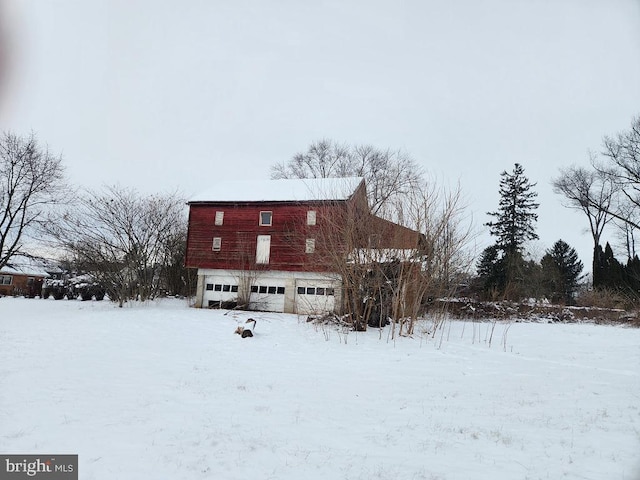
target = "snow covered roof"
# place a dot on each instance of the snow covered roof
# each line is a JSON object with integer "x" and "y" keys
{"x": 284, "y": 190}
{"x": 24, "y": 266}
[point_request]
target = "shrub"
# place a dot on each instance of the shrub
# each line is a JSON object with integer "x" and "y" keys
{"x": 602, "y": 298}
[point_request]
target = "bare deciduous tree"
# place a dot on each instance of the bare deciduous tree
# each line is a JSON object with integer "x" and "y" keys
{"x": 177, "y": 279}
{"x": 125, "y": 240}
{"x": 623, "y": 154}
{"x": 611, "y": 193}
{"x": 622, "y": 169}
{"x": 445, "y": 257}
{"x": 593, "y": 192}
{"x": 32, "y": 179}
{"x": 408, "y": 243}
{"x": 388, "y": 269}
{"x": 590, "y": 191}
{"x": 389, "y": 173}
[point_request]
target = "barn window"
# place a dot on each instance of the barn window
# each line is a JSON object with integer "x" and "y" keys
{"x": 210, "y": 286}
{"x": 217, "y": 287}
{"x": 217, "y": 244}
{"x": 254, "y": 289}
{"x": 262, "y": 289}
{"x": 226, "y": 288}
{"x": 234, "y": 288}
{"x": 374, "y": 240}
{"x": 219, "y": 218}
{"x": 330, "y": 291}
{"x": 311, "y": 291}
{"x": 310, "y": 245}
{"x": 319, "y": 291}
{"x": 280, "y": 290}
{"x": 311, "y": 217}
{"x": 6, "y": 279}
{"x": 301, "y": 290}
{"x": 265, "y": 219}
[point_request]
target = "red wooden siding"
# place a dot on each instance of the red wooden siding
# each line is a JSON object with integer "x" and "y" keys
{"x": 339, "y": 226}
{"x": 392, "y": 235}
{"x": 239, "y": 232}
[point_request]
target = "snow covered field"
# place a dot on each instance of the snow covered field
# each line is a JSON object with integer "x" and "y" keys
{"x": 164, "y": 391}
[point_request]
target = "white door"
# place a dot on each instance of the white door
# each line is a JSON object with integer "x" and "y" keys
{"x": 263, "y": 248}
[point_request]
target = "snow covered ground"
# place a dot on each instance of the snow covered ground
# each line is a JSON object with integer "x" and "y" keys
{"x": 164, "y": 391}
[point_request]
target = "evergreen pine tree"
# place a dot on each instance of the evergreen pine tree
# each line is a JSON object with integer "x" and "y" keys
{"x": 491, "y": 271}
{"x": 632, "y": 276}
{"x": 612, "y": 270}
{"x": 562, "y": 270}
{"x": 514, "y": 225}
{"x": 515, "y": 218}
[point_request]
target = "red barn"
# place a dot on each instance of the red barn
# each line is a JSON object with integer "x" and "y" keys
{"x": 273, "y": 245}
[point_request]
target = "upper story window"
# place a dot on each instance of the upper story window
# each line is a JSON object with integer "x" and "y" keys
{"x": 310, "y": 245}
{"x": 265, "y": 219}
{"x": 219, "y": 218}
{"x": 311, "y": 217}
{"x": 217, "y": 244}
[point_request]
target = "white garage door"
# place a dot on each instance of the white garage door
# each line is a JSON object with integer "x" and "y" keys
{"x": 315, "y": 296}
{"x": 220, "y": 292}
{"x": 268, "y": 295}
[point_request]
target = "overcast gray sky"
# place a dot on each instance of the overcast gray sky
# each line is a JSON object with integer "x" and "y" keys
{"x": 163, "y": 95}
